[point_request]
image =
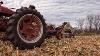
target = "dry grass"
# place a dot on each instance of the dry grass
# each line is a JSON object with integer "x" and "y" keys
{"x": 78, "y": 46}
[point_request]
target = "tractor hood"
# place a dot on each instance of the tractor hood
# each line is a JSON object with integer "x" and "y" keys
{"x": 5, "y": 11}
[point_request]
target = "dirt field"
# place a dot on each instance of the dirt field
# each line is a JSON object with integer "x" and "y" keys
{"x": 78, "y": 46}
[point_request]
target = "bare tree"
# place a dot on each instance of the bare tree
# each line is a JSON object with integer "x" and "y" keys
{"x": 80, "y": 23}
{"x": 96, "y": 21}
{"x": 99, "y": 26}
{"x": 90, "y": 21}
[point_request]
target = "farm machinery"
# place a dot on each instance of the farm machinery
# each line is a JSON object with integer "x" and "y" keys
{"x": 25, "y": 27}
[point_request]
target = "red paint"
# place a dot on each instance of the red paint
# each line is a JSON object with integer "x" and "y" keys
{"x": 29, "y": 29}
{"x": 3, "y": 21}
{"x": 5, "y": 11}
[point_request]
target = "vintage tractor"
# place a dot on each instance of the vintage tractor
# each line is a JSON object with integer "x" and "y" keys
{"x": 25, "y": 28}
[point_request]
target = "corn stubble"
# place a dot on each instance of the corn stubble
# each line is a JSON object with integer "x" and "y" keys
{"x": 78, "y": 46}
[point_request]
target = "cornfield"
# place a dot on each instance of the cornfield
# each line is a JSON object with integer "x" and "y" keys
{"x": 78, "y": 46}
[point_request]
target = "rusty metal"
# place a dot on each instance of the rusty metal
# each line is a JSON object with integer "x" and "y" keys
{"x": 29, "y": 27}
{"x": 5, "y": 11}
{"x": 3, "y": 23}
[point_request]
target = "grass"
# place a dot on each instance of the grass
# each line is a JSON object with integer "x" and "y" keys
{"x": 78, "y": 46}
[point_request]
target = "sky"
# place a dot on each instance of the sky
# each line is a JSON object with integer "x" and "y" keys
{"x": 59, "y": 11}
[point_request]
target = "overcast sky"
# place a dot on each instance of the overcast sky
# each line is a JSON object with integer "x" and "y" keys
{"x": 58, "y": 11}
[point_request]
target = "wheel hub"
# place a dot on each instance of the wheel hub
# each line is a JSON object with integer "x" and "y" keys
{"x": 30, "y": 28}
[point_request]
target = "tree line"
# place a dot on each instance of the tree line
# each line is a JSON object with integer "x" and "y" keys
{"x": 90, "y": 24}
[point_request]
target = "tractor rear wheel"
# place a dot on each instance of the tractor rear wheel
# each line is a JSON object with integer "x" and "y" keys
{"x": 26, "y": 28}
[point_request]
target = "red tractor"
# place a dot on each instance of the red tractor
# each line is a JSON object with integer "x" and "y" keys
{"x": 25, "y": 28}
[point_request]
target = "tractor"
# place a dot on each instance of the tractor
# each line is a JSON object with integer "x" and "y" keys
{"x": 25, "y": 27}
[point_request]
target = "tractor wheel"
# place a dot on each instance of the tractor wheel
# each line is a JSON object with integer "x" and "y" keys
{"x": 26, "y": 28}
